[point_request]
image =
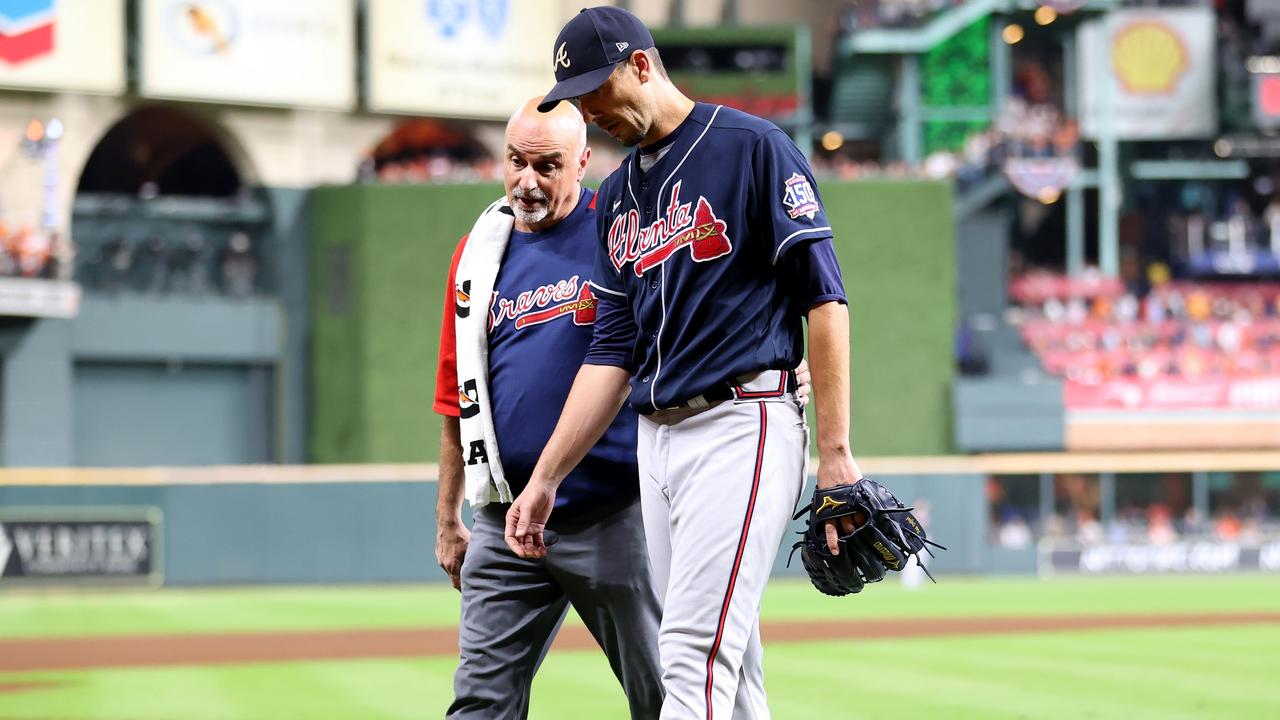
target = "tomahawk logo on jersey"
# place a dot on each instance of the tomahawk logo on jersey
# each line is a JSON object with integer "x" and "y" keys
{"x": 728, "y": 197}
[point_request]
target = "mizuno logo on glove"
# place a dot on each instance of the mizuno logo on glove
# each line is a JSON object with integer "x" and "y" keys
{"x": 830, "y": 503}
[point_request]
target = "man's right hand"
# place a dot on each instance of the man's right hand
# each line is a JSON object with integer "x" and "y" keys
{"x": 527, "y": 519}
{"x": 452, "y": 538}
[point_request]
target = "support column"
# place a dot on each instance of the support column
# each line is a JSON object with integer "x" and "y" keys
{"x": 1106, "y": 499}
{"x": 1075, "y": 193}
{"x": 1109, "y": 191}
{"x": 909, "y": 125}
{"x": 1200, "y": 496}
{"x": 1001, "y": 74}
{"x": 1046, "y": 499}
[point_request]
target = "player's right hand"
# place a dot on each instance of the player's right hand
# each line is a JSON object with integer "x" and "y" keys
{"x": 452, "y": 539}
{"x": 527, "y": 518}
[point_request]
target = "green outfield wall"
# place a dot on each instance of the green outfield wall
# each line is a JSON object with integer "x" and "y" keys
{"x": 380, "y": 256}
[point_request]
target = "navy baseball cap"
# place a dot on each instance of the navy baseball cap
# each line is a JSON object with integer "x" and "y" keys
{"x": 588, "y": 48}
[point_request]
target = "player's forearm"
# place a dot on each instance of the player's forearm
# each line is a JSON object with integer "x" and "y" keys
{"x": 829, "y": 365}
{"x": 452, "y": 480}
{"x": 597, "y": 396}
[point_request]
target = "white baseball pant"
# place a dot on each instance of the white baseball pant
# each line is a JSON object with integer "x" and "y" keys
{"x": 718, "y": 487}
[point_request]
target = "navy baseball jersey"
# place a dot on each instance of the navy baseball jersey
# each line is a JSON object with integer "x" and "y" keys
{"x": 540, "y": 326}
{"x": 698, "y": 248}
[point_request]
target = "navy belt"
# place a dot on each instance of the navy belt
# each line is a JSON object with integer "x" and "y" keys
{"x": 735, "y": 390}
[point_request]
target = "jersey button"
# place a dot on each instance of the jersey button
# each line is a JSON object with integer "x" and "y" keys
{"x": 646, "y": 379}
{"x": 653, "y": 284}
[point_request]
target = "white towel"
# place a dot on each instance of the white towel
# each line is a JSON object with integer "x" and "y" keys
{"x": 477, "y": 271}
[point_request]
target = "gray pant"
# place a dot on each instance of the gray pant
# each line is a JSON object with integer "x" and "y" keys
{"x": 512, "y": 608}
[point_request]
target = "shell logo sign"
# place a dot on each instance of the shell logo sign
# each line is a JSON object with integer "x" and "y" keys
{"x": 1149, "y": 58}
{"x": 26, "y": 29}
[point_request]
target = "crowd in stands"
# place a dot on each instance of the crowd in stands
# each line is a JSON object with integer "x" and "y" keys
{"x": 1091, "y": 330}
{"x": 1024, "y": 131}
{"x": 423, "y": 150}
{"x": 1246, "y": 512}
{"x": 186, "y": 265}
{"x": 29, "y": 253}
{"x": 1154, "y": 524}
{"x": 1237, "y": 231}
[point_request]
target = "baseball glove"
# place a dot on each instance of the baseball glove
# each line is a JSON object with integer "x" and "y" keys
{"x": 876, "y": 534}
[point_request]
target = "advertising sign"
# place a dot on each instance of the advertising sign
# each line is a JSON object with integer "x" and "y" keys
{"x": 460, "y": 58}
{"x": 246, "y": 51}
{"x": 1175, "y": 393}
{"x": 79, "y": 545}
{"x": 1159, "y": 67}
{"x": 1201, "y": 556}
{"x": 75, "y": 45}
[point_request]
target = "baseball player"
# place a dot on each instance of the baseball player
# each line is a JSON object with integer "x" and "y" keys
{"x": 713, "y": 248}
{"x": 518, "y": 319}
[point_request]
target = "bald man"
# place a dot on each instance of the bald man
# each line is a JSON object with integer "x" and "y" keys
{"x": 527, "y": 262}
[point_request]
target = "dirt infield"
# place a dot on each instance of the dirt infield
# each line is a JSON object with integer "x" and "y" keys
{"x": 82, "y": 653}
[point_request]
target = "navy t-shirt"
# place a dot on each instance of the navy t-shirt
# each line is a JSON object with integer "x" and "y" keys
{"x": 540, "y": 326}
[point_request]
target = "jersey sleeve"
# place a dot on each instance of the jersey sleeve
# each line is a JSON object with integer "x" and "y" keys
{"x": 446, "y": 402}
{"x": 812, "y": 275}
{"x": 613, "y": 337}
{"x": 787, "y": 205}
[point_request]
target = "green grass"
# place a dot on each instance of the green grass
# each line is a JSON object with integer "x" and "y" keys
{"x": 64, "y": 614}
{"x": 955, "y": 597}
{"x": 1219, "y": 672}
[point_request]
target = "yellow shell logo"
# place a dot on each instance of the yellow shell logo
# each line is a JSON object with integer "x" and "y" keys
{"x": 1148, "y": 58}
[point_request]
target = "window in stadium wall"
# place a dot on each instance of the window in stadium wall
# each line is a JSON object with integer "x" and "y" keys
{"x": 1153, "y": 508}
{"x": 1244, "y": 506}
{"x": 1013, "y": 502}
{"x": 1077, "y": 507}
{"x": 162, "y": 209}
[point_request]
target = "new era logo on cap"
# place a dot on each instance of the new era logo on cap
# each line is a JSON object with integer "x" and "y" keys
{"x": 589, "y": 46}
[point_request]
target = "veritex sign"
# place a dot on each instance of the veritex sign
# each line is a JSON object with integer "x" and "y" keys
{"x": 79, "y": 547}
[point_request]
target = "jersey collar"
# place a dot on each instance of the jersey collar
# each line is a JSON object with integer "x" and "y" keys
{"x": 696, "y": 117}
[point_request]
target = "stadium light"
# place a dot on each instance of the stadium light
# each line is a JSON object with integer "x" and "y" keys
{"x": 35, "y": 131}
{"x": 1045, "y": 15}
{"x": 832, "y": 141}
{"x": 1013, "y": 34}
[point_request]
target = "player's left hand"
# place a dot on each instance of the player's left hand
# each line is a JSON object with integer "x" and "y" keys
{"x": 837, "y": 467}
{"x": 802, "y": 382}
{"x": 527, "y": 518}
